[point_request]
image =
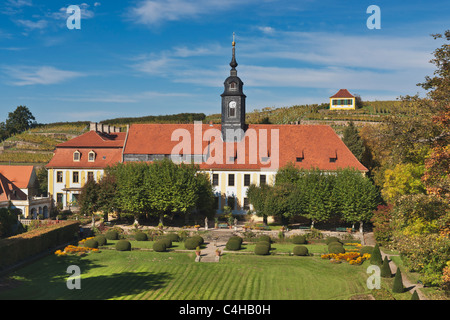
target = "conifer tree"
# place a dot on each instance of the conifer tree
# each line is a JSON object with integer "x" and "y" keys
{"x": 398, "y": 282}
{"x": 353, "y": 141}
{"x": 385, "y": 269}
{"x": 375, "y": 257}
{"x": 415, "y": 296}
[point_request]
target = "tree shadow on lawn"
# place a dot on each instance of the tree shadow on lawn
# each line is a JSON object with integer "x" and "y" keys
{"x": 47, "y": 279}
{"x": 119, "y": 284}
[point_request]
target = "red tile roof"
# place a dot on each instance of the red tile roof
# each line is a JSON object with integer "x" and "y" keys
{"x": 19, "y": 175}
{"x": 95, "y": 139}
{"x": 12, "y": 179}
{"x": 316, "y": 144}
{"x": 107, "y": 148}
{"x": 343, "y": 93}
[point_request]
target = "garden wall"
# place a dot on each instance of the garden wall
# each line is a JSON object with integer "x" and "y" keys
{"x": 19, "y": 247}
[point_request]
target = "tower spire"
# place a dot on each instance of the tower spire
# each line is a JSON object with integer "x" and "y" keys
{"x": 233, "y": 63}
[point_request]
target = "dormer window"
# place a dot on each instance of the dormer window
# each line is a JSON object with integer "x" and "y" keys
{"x": 76, "y": 156}
{"x": 91, "y": 156}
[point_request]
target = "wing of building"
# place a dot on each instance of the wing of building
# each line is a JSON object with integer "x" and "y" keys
{"x": 235, "y": 154}
{"x": 18, "y": 190}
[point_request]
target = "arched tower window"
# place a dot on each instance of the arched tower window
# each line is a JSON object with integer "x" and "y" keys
{"x": 233, "y": 86}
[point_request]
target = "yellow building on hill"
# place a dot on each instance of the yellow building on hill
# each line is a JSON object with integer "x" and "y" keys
{"x": 343, "y": 100}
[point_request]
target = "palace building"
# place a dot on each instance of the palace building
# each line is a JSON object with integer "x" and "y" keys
{"x": 234, "y": 153}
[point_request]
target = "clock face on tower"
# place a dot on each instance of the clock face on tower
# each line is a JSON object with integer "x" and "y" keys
{"x": 232, "y": 109}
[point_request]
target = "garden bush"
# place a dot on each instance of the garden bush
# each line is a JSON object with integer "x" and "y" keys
{"x": 332, "y": 239}
{"x": 265, "y": 238}
{"x": 299, "y": 239}
{"x": 173, "y": 237}
{"x": 101, "y": 239}
{"x": 199, "y": 239}
{"x": 166, "y": 241}
{"x": 140, "y": 236}
{"x": 336, "y": 247}
{"x": 24, "y": 245}
{"x": 123, "y": 245}
{"x": 264, "y": 243}
{"x": 112, "y": 235}
{"x": 233, "y": 244}
{"x": 300, "y": 251}
{"x": 366, "y": 249}
{"x": 375, "y": 257}
{"x": 191, "y": 243}
{"x": 236, "y": 238}
{"x": 159, "y": 246}
{"x": 397, "y": 286}
{"x": 261, "y": 249}
{"x": 91, "y": 243}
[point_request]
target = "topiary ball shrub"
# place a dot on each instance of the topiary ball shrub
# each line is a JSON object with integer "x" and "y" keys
{"x": 265, "y": 238}
{"x": 173, "y": 237}
{"x": 300, "y": 251}
{"x": 262, "y": 250}
{"x": 233, "y": 244}
{"x": 140, "y": 236}
{"x": 264, "y": 243}
{"x": 159, "y": 246}
{"x": 166, "y": 241}
{"x": 332, "y": 239}
{"x": 101, "y": 239}
{"x": 336, "y": 248}
{"x": 91, "y": 243}
{"x": 191, "y": 243}
{"x": 236, "y": 238}
{"x": 199, "y": 239}
{"x": 123, "y": 245}
{"x": 112, "y": 235}
{"x": 299, "y": 239}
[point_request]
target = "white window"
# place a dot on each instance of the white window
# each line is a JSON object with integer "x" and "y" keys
{"x": 91, "y": 157}
{"x": 76, "y": 156}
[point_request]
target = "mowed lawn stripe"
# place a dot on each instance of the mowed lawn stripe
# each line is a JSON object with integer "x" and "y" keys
{"x": 172, "y": 290}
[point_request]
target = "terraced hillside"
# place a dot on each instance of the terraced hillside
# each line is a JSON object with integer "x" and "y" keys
{"x": 36, "y": 145}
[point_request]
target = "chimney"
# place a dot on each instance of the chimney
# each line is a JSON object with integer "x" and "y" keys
{"x": 93, "y": 126}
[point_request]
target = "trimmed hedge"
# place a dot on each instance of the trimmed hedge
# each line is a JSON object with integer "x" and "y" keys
{"x": 140, "y": 236}
{"x": 191, "y": 243}
{"x": 265, "y": 238}
{"x": 199, "y": 239}
{"x": 262, "y": 250}
{"x": 159, "y": 246}
{"x": 91, "y": 243}
{"x": 366, "y": 249}
{"x": 166, "y": 241}
{"x": 173, "y": 237}
{"x": 123, "y": 245}
{"x": 24, "y": 245}
{"x": 299, "y": 239}
{"x": 101, "y": 239}
{"x": 336, "y": 247}
{"x": 112, "y": 235}
{"x": 233, "y": 244}
{"x": 264, "y": 243}
{"x": 332, "y": 239}
{"x": 300, "y": 251}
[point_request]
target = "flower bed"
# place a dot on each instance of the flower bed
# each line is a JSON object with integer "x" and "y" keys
{"x": 70, "y": 249}
{"x": 354, "y": 258}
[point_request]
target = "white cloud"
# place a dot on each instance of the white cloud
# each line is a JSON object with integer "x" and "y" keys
{"x": 45, "y": 75}
{"x": 32, "y": 25}
{"x": 154, "y": 12}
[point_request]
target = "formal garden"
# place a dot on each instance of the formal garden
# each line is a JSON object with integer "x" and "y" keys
{"x": 154, "y": 264}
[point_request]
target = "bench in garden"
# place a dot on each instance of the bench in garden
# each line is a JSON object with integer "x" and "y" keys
{"x": 223, "y": 225}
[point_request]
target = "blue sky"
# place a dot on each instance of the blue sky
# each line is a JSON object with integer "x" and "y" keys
{"x": 151, "y": 57}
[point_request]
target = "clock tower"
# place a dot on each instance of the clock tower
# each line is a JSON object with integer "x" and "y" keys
{"x": 233, "y": 104}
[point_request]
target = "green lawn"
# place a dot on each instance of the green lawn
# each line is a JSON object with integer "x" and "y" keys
{"x": 147, "y": 275}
